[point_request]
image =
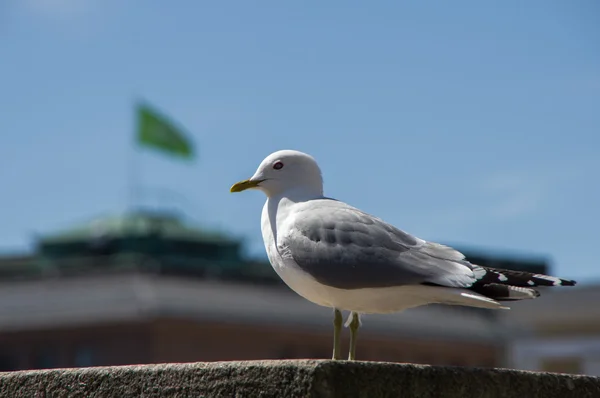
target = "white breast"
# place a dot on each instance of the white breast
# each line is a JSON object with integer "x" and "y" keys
{"x": 298, "y": 280}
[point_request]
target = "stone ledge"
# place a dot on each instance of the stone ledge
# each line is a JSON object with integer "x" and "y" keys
{"x": 305, "y": 378}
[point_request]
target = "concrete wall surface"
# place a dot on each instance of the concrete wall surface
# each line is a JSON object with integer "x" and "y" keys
{"x": 306, "y": 378}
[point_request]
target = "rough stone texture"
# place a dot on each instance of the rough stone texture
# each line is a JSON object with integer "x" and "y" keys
{"x": 294, "y": 379}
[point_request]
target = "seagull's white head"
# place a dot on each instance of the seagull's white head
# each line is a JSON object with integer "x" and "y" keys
{"x": 285, "y": 172}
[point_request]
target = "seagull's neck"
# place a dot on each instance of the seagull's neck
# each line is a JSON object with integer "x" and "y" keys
{"x": 278, "y": 206}
{"x": 297, "y": 194}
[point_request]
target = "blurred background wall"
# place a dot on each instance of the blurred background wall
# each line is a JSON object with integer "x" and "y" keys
{"x": 146, "y": 287}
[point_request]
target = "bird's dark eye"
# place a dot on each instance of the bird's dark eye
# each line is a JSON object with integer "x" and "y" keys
{"x": 278, "y": 166}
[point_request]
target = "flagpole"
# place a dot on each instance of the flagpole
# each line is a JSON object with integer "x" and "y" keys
{"x": 133, "y": 165}
{"x": 131, "y": 178}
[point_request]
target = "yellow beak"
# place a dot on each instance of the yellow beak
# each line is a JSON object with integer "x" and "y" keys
{"x": 243, "y": 185}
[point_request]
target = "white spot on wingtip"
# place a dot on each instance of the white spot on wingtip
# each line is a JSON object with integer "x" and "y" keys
{"x": 555, "y": 281}
{"x": 531, "y": 283}
{"x": 502, "y": 278}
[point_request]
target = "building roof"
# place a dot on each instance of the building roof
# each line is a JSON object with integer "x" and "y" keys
{"x": 60, "y": 302}
{"x": 140, "y": 223}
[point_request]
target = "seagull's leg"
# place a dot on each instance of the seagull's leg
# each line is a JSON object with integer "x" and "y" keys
{"x": 354, "y": 323}
{"x": 337, "y": 332}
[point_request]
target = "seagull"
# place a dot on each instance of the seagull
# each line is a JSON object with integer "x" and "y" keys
{"x": 340, "y": 257}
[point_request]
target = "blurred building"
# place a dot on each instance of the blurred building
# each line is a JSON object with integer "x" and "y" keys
{"x": 148, "y": 288}
{"x": 560, "y": 333}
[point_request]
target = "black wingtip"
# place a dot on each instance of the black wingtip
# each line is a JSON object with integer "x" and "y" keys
{"x": 519, "y": 278}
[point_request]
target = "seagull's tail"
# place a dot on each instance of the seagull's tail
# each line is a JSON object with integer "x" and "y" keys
{"x": 508, "y": 285}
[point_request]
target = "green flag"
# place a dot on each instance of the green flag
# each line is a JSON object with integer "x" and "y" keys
{"x": 157, "y": 132}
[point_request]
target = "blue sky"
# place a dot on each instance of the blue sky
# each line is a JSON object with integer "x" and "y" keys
{"x": 468, "y": 122}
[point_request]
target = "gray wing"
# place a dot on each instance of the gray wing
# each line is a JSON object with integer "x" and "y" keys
{"x": 343, "y": 247}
